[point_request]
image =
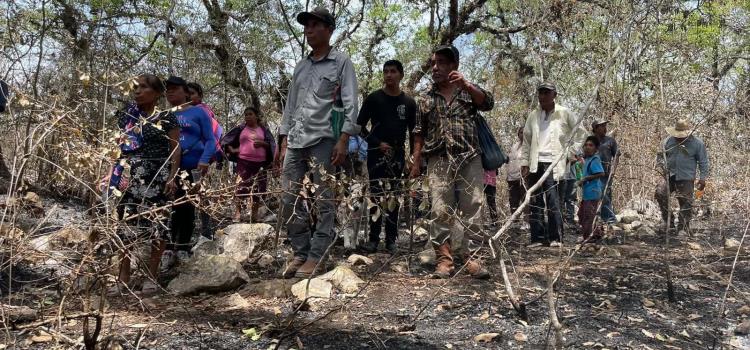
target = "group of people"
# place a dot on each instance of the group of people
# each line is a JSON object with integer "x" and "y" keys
{"x": 432, "y": 135}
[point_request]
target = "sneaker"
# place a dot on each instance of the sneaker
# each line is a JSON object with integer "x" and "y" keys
{"x": 535, "y": 245}
{"x": 168, "y": 260}
{"x": 391, "y": 247}
{"x": 555, "y": 244}
{"x": 183, "y": 256}
{"x": 370, "y": 247}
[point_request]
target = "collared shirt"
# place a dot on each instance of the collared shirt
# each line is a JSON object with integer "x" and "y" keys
{"x": 608, "y": 150}
{"x": 449, "y": 127}
{"x": 683, "y": 158}
{"x": 307, "y": 114}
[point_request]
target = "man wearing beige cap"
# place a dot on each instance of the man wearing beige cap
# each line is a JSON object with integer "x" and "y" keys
{"x": 545, "y": 140}
{"x": 680, "y": 155}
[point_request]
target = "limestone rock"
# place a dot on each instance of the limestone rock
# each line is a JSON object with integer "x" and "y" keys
{"x": 744, "y": 310}
{"x": 266, "y": 260}
{"x": 731, "y": 243}
{"x": 427, "y": 257}
{"x": 276, "y": 288}
{"x": 209, "y": 273}
{"x": 356, "y": 259}
{"x": 239, "y": 241}
{"x": 318, "y": 289}
{"x": 645, "y": 207}
{"x": 628, "y": 216}
{"x": 636, "y": 224}
{"x": 343, "y": 278}
{"x": 743, "y": 328}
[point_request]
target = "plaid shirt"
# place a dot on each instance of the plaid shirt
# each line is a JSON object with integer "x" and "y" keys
{"x": 449, "y": 127}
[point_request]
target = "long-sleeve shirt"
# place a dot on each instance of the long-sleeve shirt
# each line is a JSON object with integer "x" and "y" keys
{"x": 307, "y": 114}
{"x": 682, "y": 158}
{"x": 197, "y": 138}
{"x": 449, "y": 127}
{"x": 561, "y": 125}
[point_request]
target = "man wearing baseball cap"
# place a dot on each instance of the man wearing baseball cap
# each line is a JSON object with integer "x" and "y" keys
{"x": 545, "y": 141}
{"x": 681, "y": 154}
{"x": 609, "y": 153}
{"x": 309, "y": 134}
{"x": 445, "y": 133}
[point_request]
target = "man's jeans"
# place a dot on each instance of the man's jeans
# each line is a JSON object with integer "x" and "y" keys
{"x": 386, "y": 177}
{"x": 298, "y": 163}
{"x": 566, "y": 192}
{"x": 607, "y": 211}
{"x": 457, "y": 196}
{"x": 544, "y": 200}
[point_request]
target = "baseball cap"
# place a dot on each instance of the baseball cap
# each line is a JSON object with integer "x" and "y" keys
{"x": 449, "y": 50}
{"x": 599, "y": 122}
{"x": 547, "y": 85}
{"x": 318, "y": 13}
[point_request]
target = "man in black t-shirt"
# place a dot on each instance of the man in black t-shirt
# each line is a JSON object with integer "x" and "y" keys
{"x": 391, "y": 113}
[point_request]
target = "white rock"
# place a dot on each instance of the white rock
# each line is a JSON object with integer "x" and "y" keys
{"x": 636, "y": 224}
{"x": 209, "y": 273}
{"x": 356, "y": 259}
{"x": 343, "y": 278}
{"x": 628, "y": 216}
{"x": 731, "y": 243}
{"x": 239, "y": 241}
{"x": 427, "y": 257}
{"x": 266, "y": 260}
{"x": 318, "y": 289}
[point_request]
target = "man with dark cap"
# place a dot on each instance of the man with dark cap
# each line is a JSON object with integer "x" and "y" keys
{"x": 609, "y": 153}
{"x": 310, "y": 144}
{"x": 445, "y": 133}
{"x": 391, "y": 113}
{"x": 545, "y": 144}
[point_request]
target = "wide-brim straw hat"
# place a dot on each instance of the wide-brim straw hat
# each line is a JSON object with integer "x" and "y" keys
{"x": 680, "y": 130}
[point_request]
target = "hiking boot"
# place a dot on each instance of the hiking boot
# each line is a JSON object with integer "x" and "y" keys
{"x": 391, "y": 247}
{"x": 370, "y": 247}
{"x": 476, "y": 270}
{"x": 293, "y": 266}
{"x": 307, "y": 269}
{"x": 444, "y": 261}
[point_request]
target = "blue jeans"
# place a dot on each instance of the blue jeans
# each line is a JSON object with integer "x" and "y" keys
{"x": 607, "y": 213}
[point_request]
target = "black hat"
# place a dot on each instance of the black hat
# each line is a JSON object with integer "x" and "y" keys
{"x": 173, "y": 80}
{"x": 318, "y": 13}
{"x": 449, "y": 50}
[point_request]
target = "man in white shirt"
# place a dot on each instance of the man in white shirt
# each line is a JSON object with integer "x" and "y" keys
{"x": 545, "y": 140}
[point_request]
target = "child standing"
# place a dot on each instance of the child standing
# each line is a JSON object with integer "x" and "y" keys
{"x": 592, "y": 190}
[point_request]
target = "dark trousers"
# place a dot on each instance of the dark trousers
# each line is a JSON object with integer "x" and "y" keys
{"x": 684, "y": 189}
{"x": 544, "y": 201}
{"x": 566, "y": 191}
{"x": 183, "y": 220}
{"x": 586, "y": 217}
{"x": 490, "y": 192}
{"x": 386, "y": 176}
{"x": 516, "y": 194}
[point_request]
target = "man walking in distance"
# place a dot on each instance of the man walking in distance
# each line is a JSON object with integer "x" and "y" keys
{"x": 609, "y": 153}
{"x": 308, "y": 145}
{"x": 446, "y": 134}
{"x": 545, "y": 139}
{"x": 391, "y": 113}
{"x": 680, "y": 155}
